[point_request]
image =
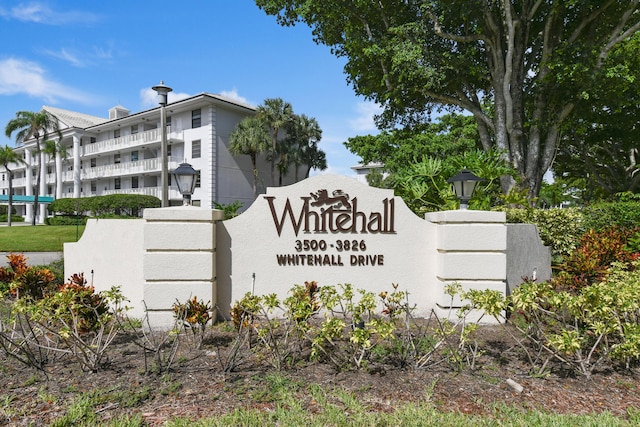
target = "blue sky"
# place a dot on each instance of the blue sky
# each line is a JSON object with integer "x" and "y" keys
{"x": 90, "y": 56}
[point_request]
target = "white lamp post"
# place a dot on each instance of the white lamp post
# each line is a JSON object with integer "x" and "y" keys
{"x": 464, "y": 184}
{"x": 163, "y": 92}
{"x": 185, "y": 178}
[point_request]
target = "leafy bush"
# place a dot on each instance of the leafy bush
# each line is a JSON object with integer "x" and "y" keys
{"x": 82, "y": 322}
{"x": 14, "y": 218}
{"x": 4, "y": 210}
{"x": 23, "y": 281}
{"x": 130, "y": 205}
{"x": 66, "y": 220}
{"x": 584, "y": 330}
{"x": 47, "y": 318}
{"x": 559, "y": 228}
{"x": 194, "y": 316}
{"x": 230, "y": 210}
{"x": 600, "y": 216}
{"x": 352, "y": 333}
{"x": 280, "y": 326}
{"x": 596, "y": 252}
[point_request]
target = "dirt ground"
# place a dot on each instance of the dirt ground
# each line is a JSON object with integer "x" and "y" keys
{"x": 197, "y": 387}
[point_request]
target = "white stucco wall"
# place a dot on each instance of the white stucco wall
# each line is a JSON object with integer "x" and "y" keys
{"x": 248, "y": 246}
{"x": 112, "y": 250}
{"x": 179, "y": 252}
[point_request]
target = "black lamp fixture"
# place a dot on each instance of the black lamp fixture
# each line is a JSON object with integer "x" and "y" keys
{"x": 464, "y": 184}
{"x": 185, "y": 177}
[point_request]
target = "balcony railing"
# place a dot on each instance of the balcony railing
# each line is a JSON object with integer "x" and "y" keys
{"x": 129, "y": 141}
{"x": 17, "y": 182}
{"x": 122, "y": 169}
{"x": 147, "y": 191}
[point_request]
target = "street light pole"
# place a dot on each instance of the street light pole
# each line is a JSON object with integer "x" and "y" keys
{"x": 163, "y": 92}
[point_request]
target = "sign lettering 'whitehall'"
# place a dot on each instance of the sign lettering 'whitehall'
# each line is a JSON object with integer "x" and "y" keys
{"x": 335, "y": 214}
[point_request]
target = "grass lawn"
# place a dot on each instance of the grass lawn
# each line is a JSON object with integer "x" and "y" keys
{"x": 41, "y": 238}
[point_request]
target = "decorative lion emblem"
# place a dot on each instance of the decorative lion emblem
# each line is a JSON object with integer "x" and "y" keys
{"x": 337, "y": 199}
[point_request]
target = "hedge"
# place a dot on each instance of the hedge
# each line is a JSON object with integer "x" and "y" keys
{"x": 114, "y": 204}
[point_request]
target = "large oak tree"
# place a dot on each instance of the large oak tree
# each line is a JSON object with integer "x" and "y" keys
{"x": 600, "y": 151}
{"x": 519, "y": 66}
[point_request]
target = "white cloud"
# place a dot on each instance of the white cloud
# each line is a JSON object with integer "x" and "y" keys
{"x": 18, "y": 76}
{"x": 364, "y": 121}
{"x": 42, "y": 14}
{"x": 102, "y": 53}
{"x": 149, "y": 97}
{"x": 67, "y": 56}
{"x": 233, "y": 95}
{"x": 82, "y": 57}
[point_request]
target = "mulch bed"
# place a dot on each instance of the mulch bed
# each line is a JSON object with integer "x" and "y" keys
{"x": 196, "y": 387}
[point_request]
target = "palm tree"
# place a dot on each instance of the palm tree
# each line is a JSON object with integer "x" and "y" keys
{"x": 305, "y": 133}
{"x": 315, "y": 159}
{"x": 54, "y": 149}
{"x": 8, "y": 156}
{"x": 275, "y": 114}
{"x": 287, "y": 152}
{"x": 30, "y": 125}
{"x": 250, "y": 137}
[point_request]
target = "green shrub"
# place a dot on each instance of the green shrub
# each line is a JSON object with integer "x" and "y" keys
{"x": 559, "y": 229}
{"x": 81, "y": 322}
{"x": 596, "y": 326}
{"x": 600, "y": 216}
{"x": 128, "y": 205}
{"x": 4, "y": 210}
{"x": 596, "y": 252}
{"x": 67, "y": 220}
{"x": 230, "y": 210}
{"x": 24, "y": 281}
{"x": 14, "y": 218}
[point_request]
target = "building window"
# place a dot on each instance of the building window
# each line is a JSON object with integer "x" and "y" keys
{"x": 197, "y": 179}
{"x": 93, "y": 162}
{"x": 94, "y": 186}
{"x": 134, "y": 129}
{"x": 93, "y": 140}
{"x": 116, "y": 158}
{"x": 116, "y": 183}
{"x": 169, "y": 150}
{"x": 195, "y": 149}
{"x": 134, "y": 156}
{"x": 168, "y": 121}
{"x": 48, "y": 169}
{"x": 196, "y": 120}
{"x": 134, "y": 182}
{"x": 116, "y": 133}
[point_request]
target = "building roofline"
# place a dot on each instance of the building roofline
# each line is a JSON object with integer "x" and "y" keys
{"x": 178, "y": 104}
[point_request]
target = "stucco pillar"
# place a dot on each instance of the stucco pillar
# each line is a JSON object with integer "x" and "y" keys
{"x": 178, "y": 259}
{"x": 76, "y": 166}
{"x": 29, "y": 185}
{"x": 58, "y": 189}
{"x": 470, "y": 250}
{"x": 42, "y": 191}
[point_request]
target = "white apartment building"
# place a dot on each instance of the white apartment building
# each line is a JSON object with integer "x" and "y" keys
{"x": 121, "y": 154}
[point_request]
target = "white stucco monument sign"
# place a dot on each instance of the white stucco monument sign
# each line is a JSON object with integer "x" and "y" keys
{"x": 329, "y": 229}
